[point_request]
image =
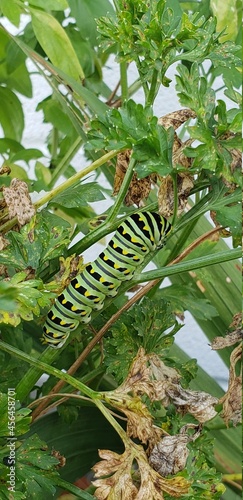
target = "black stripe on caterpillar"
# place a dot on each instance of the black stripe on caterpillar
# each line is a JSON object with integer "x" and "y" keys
{"x": 134, "y": 238}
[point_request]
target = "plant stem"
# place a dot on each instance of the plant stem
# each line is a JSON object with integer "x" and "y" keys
{"x": 190, "y": 265}
{"x": 72, "y": 180}
{"x": 123, "y": 190}
{"x": 46, "y": 368}
{"x": 120, "y": 431}
{"x": 124, "y": 85}
{"x": 175, "y": 191}
{"x": 54, "y": 144}
{"x": 66, "y": 160}
{"x": 152, "y": 91}
{"x": 94, "y": 396}
{"x": 108, "y": 225}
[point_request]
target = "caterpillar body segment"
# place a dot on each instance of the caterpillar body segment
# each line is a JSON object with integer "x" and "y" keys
{"x": 134, "y": 238}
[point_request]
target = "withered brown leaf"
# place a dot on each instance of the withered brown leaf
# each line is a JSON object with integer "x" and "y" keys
{"x": 176, "y": 118}
{"x": 199, "y": 404}
{"x": 185, "y": 184}
{"x": 119, "y": 485}
{"x": 18, "y": 201}
{"x": 170, "y": 454}
{"x": 232, "y": 400}
{"x": 229, "y": 340}
{"x": 132, "y": 478}
{"x": 139, "y": 189}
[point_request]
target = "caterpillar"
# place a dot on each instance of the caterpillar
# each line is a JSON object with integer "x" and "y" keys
{"x": 134, "y": 238}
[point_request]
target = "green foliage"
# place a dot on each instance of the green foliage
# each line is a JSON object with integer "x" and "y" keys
{"x": 69, "y": 42}
{"x": 35, "y": 469}
{"x": 35, "y": 244}
{"x": 135, "y": 127}
{"x": 22, "y": 417}
{"x": 150, "y": 324}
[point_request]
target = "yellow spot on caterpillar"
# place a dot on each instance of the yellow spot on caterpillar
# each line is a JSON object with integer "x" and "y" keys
{"x": 111, "y": 286}
{"x": 133, "y": 240}
{"x": 115, "y": 245}
{"x": 105, "y": 257}
{"x": 116, "y": 266}
{"x": 77, "y": 285}
{"x": 135, "y": 257}
{"x": 97, "y": 300}
{"x": 102, "y": 279}
{"x": 53, "y": 317}
{"x": 127, "y": 271}
{"x": 146, "y": 228}
{"x": 87, "y": 294}
{"x": 83, "y": 313}
{"x": 92, "y": 270}
{"x": 144, "y": 248}
{"x": 63, "y": 323}
{"x": 74, "y": 308}
{"x": 124, "y": 231}
{"x": 151, "y": 238}
{"x": 124, "y": 252}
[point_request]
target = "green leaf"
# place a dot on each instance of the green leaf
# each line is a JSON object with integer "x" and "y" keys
{"x": 11, "y": 114}
{"x": 226, "y": 14}
{"x": 27, "y": 155}
{"x": 86, "y": 12}
{"x": 230, "y": 217}
{"x": 184, "y": 298}
{"x": 8, "y": 293}
{"x": 13, "y": 65}
{"x": 36, "y": 243}
{"x": 79, "y": 195}
{"x": 36, "y": 468}
{"x": 20, "y": 417}
{"x": 154, "y": 154}
{"x": 55, "y": 115}
{"x": 11, "y": 10}
{"x": 55, "y": 43}
{"x": 224, "y": 55}
{"x": 150, "y": 324}
{"x": 93, "y": 102}
{"x": 10, "y": 146}
{"x": 134, "y": 126}
{"x": 29, "y": 297}
{"x": 52, "y": 4}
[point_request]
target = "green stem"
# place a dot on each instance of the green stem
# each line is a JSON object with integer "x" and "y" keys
{"x": 65, "y": 185}
{"x": 108, "y": 225}
{"x": 174, "y": 180}
{"x": 189, "y": 265}
{"x": 123, "y": 191}
{"x": 144, "y": 83}
{"x": 120, "y": 431}
{"x": 72, "y": 180}
{"x": 51, "y": 370}
{"x": 153, "y": 89}
{"x": 124, "y": 85}
{"x": 54, "y": 145}
{"x": 65, "y": 485}
{"x": 66, "y": 160}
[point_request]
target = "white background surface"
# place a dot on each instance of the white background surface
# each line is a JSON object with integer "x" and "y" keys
{"x": 190, "y": 338}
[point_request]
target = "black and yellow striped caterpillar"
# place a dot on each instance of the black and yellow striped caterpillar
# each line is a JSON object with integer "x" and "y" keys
{"x": 134, "y": 238}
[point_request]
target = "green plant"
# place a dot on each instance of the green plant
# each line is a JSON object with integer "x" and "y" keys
{"x": 126, "y": 361}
